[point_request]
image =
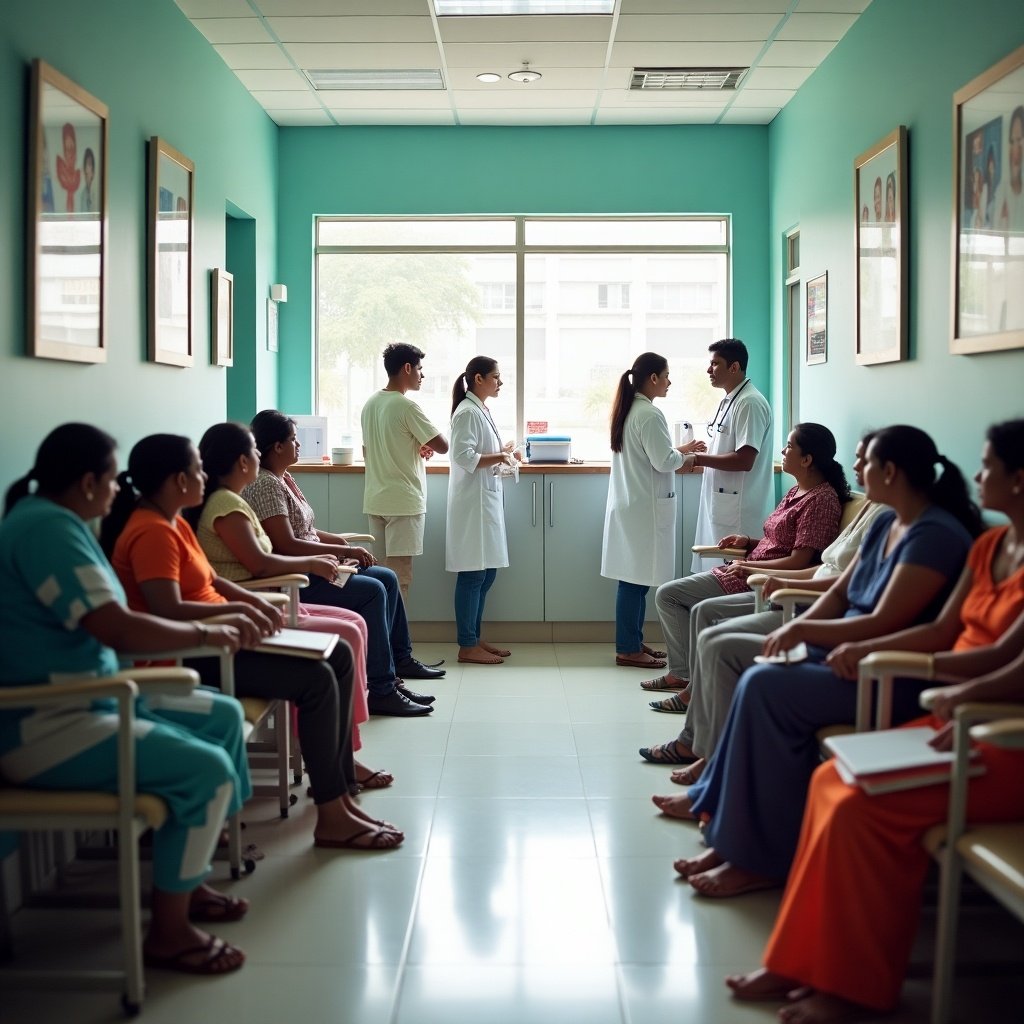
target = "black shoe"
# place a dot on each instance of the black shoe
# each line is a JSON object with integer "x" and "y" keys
{"x": 395, "y": 703}
{"x": 413, "y": 669}
{"x": 416, "y": 698}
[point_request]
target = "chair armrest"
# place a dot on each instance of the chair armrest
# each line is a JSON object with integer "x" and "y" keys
{"x": 882, "y": 667}
{"x": 351, "y": 538}
{"x": 275, "y": 597}
{"x": 756, "y": 583}
{"x": 1008, "y": 734}
{"x": 119, "y": 685}
{"x": 286, "y": 579}
{"x": 714, "y": 551}
{"x": 224, "y": 656}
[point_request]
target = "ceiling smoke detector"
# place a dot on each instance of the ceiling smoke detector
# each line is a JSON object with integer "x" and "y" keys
{"x": 526, "y": 76}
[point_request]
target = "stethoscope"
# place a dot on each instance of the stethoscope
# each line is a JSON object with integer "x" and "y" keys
{"x": 726, "y": 404}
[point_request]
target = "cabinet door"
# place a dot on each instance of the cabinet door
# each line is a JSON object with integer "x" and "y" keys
{"x": 345, "y": 491}
{"x": 518, "y": 591}
{"x": 431, "y": 598}
{"x": 574, "y": 589}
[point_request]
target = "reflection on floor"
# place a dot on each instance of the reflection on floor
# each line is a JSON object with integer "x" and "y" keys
{"x": 535, "y": 884}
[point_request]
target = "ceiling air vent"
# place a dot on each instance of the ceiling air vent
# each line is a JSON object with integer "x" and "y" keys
{"x": 686, "y": 79}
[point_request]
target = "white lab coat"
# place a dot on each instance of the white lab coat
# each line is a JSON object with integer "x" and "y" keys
{"x": 475, "y": 530}
{"x": 733, "y": 502}
{"x": 640, "y": 517}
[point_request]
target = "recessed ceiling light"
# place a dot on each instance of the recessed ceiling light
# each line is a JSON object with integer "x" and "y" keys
{"x": 476, "y": 8}
{"x": 425, "y": 78}
{"x": 488, "y": 76}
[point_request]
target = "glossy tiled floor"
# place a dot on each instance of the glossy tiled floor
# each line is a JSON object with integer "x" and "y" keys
{"x": 535, "y": 884}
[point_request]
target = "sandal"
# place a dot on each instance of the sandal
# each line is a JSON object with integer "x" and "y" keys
{"x": 215, "y": 908}
{"x": 665, "y": 753}
{"x": 380, "y": 839}
{"x": 663, "y": 683}
{"x": 652, "y": 652}
{"x": 217, "y": 958}
{"x": 640, "y": 660}
{"x": 373, "y": 780}
{"x": 674, "y": 705}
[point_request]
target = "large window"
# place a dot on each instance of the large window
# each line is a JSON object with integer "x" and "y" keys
{"x": 564, "y": 305}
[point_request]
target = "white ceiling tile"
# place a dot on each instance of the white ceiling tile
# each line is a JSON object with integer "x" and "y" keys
{"x": 777, "y": 78}
{"x": 763, "y": 98}
{"x": 279, "y": 99}
{"x": 833, "y": 6}
{"x": 232, "y": 30}
{"x": 353, "y": 30}
{"x": 554, "y": 78}
{"x": 795, "y": 55}
{"x": 704, "y": 7}
{"x": 817, "y": 26}
{"x": 655, "y": 99}
{"x": 215, "y": 8}
{"x": 526, "y": 99}
{"x": 670, "y": 55}
{"x": 259, "y": 56}
{"x": 365, "y": 56}
{"x": 578, "y": 29}
{"x": 676, "y": 115}
{"x": 375, "y": 115}
{"x": 527, "y": 117}
{"x": 283, "y": 80}
{"x": 300, "y": 118}
{"x": 695, "y": 27}
{"x": 319, "y": 8}
{"x": 750, "y": 115}
{"x": 384, "y": 99}
{"x": 487, "y": 56}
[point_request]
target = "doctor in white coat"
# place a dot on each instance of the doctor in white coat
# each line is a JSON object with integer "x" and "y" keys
{"x": 475, "y": 545}
{"x": 639, "y": 547}
{"x": 736, "y": 494}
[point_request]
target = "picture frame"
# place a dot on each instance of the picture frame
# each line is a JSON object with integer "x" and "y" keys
{"x": 816, "y": 321}
{"x": 222, "y": 318}
{"x": 170, "y": 247}
{"x": 988, "y": 211}
{"x": 66, "y": 276}
{"x": 272, "y": 325}
{"x": 881, "y": 251}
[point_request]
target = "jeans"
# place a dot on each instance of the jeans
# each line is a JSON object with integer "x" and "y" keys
{"x": 470, "y": 591}
{"x": 373, "y": 593}
{"x": 630, "y": 612}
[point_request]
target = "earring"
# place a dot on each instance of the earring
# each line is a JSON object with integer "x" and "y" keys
{"x": 888, "y": 481}
{"x": 88, "y": 495}
{"x": 184, "y": 490}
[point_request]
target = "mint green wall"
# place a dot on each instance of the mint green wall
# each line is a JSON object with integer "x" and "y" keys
{"x": 586, "y": 170}
{"x": 160, "y": 77}
{"x": 899, "y": 64}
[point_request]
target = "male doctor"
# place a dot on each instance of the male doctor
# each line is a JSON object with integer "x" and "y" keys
{"x": 736, "y": 492}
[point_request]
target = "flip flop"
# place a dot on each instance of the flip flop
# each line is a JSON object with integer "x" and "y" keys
{"x": 219, "y": 908}
{"x": 376, "y": 780}
{"x": 481, "y": 661}
{"x": 661, "y": 754}
{"x": 216, "y": 960}
{"x": 652, "y": 652}
{"x": 638, "y": 662}
{"x": 378, "y": 842}
{"x": 662, "y": 683}
{"x": 674, "y": 705}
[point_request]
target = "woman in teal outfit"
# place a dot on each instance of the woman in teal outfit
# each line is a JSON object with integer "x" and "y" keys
{"x": 62, "y": 614}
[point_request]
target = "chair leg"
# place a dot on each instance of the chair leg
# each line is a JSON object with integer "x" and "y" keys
{"x": 131, "y": 919}
{"x": 282, "y": 737}
{"x": 946, "y": 931}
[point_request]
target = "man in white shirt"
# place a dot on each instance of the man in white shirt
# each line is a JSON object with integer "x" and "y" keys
{"x": 397, "y": 439}
{"x": 736, "y": 494}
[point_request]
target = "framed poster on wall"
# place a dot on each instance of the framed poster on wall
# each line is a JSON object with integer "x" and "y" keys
{"x": 817, "y": 320}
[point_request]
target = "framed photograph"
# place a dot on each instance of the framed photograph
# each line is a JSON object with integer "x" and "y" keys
{"x": 881, "y": 211}
{"x": 170, "y": 243}
{"x": 817, "y": 320}
{"x": 988, "y": 210}
{"x": 222, "y": 317}
{"x": 67, "y": 220}
{"x": 271, "y": 325}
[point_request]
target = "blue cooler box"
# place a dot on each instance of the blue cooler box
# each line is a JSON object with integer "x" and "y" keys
{"x": 548, "y": 448}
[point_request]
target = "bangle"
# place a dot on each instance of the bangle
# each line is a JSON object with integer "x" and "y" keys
{"x": 930, "y": 670}
{"x": 203, "y": 633}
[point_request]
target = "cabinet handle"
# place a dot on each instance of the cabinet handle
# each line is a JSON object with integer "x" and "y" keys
{"x": 551, "y": 504}
{"x": 533, "y": 516}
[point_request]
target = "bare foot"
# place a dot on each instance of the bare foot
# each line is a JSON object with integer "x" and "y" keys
{"x": 192, "y": 951}
{"x": 639, "y": 659}
{"x": 342, "y": 822}
{"x": 820, "y": 1008}
{"x": 690, "y": 774}
{"x": 478, "y": 655}
{"x": 357, "y": 812}
{"x": 369, "y": 779}
{"x": 760, "y": 984}
{"x": 499, "y": 651}
{"x": 674, "y": 806}
{"x": 728, "y": 880}
{"x": 694, "y": 865}
{"x": 209, "y": 905}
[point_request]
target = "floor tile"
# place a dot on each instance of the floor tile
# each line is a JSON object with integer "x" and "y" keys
{"x": 502, "y": 738}
{"x": 526, "y": 777}
{"x": 497, "y": 708}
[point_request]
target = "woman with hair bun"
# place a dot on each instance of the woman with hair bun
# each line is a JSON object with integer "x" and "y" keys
{"x": 475, "y": 544}
{"x": 639, "y": 548}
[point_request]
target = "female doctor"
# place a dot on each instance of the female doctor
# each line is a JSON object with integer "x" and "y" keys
{"x": 475, "y": 545}
{"x": 639, "y": 547}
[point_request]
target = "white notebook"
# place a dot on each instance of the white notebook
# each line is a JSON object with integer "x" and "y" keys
{"x": 299, "y": 643}
{"x": 791, "y": 657}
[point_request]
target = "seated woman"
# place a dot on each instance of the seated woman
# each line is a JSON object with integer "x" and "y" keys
{"x": 754, "y": 786}
{"x": 164, "y": 571}
{"x": 239, "y": 549}
{"x": 288, "y": 519}
{"x": 803, "y": 524}
{"x": 726, "y": 646}
{"x": 62, "y": 614}
{"x": 843, "y": 972}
